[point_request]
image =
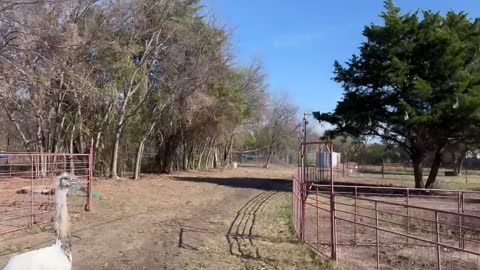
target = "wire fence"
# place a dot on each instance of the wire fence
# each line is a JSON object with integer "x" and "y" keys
{"x": 261, "y": 157}
{"x": 370, "y": 227}
{"x": 27, "y": 187}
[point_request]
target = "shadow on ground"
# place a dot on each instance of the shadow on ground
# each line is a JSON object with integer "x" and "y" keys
{"x": 279, "y": 185}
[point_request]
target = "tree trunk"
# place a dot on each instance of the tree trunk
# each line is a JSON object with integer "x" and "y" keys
{"x": 227, "y": 154}
{"x": 270, "y": 150}
{"x": 191, "y": 158}
{"x": 21, "y": 133}
{"x": 96, "y": 150}
{"x": 114, "y": 162}
{"x": 166, "y": 154}
{"x": 185, "y": 156}
{"x": 459, "y": 165}
{"x": 269, "y": 158}
{"x": 215, "y": 159}
{"x": 200, "y": 157}
{"x": 98, "y": 136}
{"x": 208, "y": 158}
{"x": 72, "y": 160}
{"x": 458, "y": 161}
{"x": 82, "y": 144}
{"x": 41, "y": 143}
{"x": 118, "y": 132}
{"x": 437, "y": 161}
{"x": 417, "y": 163}
{"x": 138, "y": 160}
{"x": 141, "y": 147}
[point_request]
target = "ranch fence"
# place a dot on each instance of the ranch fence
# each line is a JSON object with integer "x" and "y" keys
{"x": 27, "y": 188}
{"x": 258, "y": 158}
{"x": 371, "y": 227}
{"x": 398, "y": 172}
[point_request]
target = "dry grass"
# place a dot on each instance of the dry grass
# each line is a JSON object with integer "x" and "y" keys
{"x": 277, "y": 223}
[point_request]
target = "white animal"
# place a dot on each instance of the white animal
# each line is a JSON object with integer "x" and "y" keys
{"x": 59, "y": 255}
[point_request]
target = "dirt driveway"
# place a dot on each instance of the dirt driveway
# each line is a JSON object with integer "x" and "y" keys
{"x": 235, "y": 219}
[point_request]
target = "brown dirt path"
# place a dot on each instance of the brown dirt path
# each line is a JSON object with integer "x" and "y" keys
{"x": 235, "y": 219}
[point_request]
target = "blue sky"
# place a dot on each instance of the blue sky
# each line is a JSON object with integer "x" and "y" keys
{"x": 298, "y": 41}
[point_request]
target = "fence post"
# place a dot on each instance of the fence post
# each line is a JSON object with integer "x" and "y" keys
{"x": 460, "y": 219}
{"x": 293, "y": 203}
{"x": 408, "y": 213}
{"x": 303, "y": 163}
{"x": 318, "y": 233}
{"x": 302, "y": 212}
{"x": 31, "y": 192}
{"x": 299, "y": 210}
{"x": 332, "y": 207}
{"x": 437, "y": 229}
{"x": 333, "y": 225}
{"x": 463, "y": 211}
{"x": 355, "y": 219}
{"x": 376, "y": 236}
{"x": 299, "y": 214}
{"x": 88, "y": 206}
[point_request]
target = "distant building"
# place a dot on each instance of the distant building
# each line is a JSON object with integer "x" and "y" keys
{"x": 323, "y": 159}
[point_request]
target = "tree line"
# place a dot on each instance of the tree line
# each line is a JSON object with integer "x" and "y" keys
{"x": 136, "y": 77}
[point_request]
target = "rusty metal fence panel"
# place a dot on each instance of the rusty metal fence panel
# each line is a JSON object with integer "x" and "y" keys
{"x": 369, "y": 227}
{"x": 27, "y": 187}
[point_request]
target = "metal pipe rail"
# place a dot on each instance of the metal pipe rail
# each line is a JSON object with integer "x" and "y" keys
{"x": 430, "y": 233}
{"x": 35, "y": 172}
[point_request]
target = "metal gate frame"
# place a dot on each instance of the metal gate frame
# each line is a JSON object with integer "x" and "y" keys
{"x": 307, "y": 193}
{"x": 33, "y": 171}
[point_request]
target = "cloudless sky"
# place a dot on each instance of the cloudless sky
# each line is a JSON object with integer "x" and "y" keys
{"x": 298, "y": 40}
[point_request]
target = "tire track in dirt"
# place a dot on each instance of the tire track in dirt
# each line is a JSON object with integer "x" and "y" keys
{"x": 240, "y": 233}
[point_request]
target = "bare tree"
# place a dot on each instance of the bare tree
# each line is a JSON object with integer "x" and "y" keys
{"x": 282, "y": 125}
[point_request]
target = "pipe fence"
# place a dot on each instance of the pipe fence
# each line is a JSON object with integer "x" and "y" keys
{"x": 370, "y": 227}
{"x": 27, "y": 188}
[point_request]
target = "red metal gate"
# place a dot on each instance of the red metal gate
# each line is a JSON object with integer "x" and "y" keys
{"x": 369, "y": 227}
{"x": 27, "y": 182}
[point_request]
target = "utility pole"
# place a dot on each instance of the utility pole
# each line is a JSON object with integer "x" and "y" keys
{"x": 304, "y": 148}
{"x": 305, "y": 123}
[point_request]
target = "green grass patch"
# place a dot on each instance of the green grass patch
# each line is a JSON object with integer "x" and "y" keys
{"x": 284, "y": 216}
